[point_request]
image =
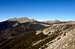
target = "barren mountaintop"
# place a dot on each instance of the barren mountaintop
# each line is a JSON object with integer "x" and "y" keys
{"x": 27, "y": 34}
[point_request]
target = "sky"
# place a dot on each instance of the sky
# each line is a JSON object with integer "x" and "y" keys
{"x": 38, "y": 9}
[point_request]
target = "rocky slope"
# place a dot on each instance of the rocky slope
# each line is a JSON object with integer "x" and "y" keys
{"x": 37, "y": 35}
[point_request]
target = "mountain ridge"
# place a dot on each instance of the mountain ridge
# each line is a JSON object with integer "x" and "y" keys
{"x": 37, "y": 35}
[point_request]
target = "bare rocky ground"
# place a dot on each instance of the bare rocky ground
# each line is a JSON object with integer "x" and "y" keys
{"x": 37, "y": 35}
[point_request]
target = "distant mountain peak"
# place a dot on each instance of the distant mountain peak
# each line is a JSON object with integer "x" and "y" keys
{"x": 21, "y": 20}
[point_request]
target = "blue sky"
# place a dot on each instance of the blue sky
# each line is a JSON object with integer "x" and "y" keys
{"x": 39, "y": 9}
